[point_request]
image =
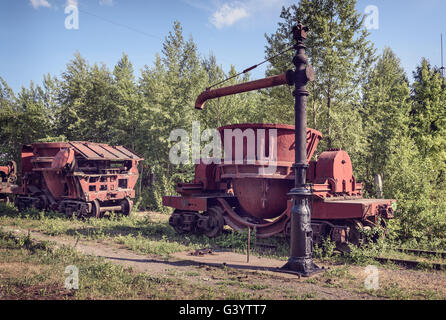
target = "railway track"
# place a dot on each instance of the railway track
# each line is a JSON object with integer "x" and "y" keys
{"x": 412, "y": 264}
{"x": 419, "y": 252}
{"x": 408, "y": 263}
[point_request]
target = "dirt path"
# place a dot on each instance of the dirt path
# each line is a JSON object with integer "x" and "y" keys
{"x": 231, "y": 269}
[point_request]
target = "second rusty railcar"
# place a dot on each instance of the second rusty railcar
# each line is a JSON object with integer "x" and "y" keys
{"x": 77, "y": 178}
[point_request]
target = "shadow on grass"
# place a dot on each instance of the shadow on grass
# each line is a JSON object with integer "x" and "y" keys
{"x": 158, "y": 231}
{"x": 145, "y": 229}
{"x": 189, "y": 263}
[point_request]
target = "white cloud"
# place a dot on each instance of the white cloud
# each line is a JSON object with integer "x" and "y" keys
{"x": 106, "y": 2}
{"x": 71, "y": 3}
{"x": 228, "y": 14}
{"x": 40, "y": 3}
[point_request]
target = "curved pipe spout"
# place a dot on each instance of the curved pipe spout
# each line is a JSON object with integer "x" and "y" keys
{"x": 242, "y": 87}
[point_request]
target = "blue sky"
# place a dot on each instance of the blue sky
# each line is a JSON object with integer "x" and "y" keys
{"x": 35, "y": 40}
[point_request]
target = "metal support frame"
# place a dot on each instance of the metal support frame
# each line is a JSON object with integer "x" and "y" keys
{"x": 300, "y": 260}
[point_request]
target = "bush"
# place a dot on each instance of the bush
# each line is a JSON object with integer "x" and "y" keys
{"x": 325, "y": 249}
{"x": 412, "y": 181}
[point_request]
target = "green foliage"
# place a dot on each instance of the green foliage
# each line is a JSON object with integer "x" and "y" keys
{"x": 341, "y": 55}
{"x": 389, "y": 128}
{"x": 412, "y": 181}
{"x": 8, "y": 210}
{"x": 152, "y": 198}
{"x": 24, "y": 118}
{"x": 428, "y": 112}
{"x": 325, "y": 249}
{"x": 385, "y": 116}
{"x": 10, "y": 241}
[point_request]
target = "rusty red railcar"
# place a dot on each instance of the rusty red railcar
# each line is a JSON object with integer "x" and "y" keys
{"x": 8, "y": 179}
{"x": 80, "y": 178}
{"x": 243, "y": 194}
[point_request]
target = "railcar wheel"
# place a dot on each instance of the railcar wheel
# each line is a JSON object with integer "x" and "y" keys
{"x": 355, "y": 237}
{"x": 43, "y": 203}
{"x": 127, "y": 206}
{"x": 19, "y": 204}
{"x": 69, "y": 212}
{"x": 176, "y": 221}
{"x": 96, "y": 209}
{"x": 381, "y": 229}
{"x": 215, "y": 222}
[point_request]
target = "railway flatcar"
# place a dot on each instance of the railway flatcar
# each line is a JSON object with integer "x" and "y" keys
{"x": 245, "y": 193}
{"x": 77, "y": 178}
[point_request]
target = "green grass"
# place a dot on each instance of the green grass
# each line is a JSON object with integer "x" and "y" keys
{"x": 98, "y": 279}
{"x": 140, "y": 234}
{"x": 391, "y": 291}
{"x": 147, "y": 236}
{"x": 35, "y": 270}
{"x": 337, "y": 277}
{"x": 40, "y": 267}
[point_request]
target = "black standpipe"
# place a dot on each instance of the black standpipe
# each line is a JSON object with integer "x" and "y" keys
{"x": 301, "y": 251}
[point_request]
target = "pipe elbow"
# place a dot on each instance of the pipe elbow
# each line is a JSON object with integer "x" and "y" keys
{"x": 201, "y": 100}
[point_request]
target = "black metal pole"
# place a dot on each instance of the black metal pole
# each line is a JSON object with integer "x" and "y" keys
{"x": 301, "y": 260}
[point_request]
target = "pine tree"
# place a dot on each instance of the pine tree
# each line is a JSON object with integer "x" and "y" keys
{"x": 245, "y": 107}
{"x": 8, "y": 146}
{"x": 428, "y": 125}
{"x": 128, "y": 104}
{"x": 87, "y": 110}
{"x": 71, "y": 94}
{"x": 341, "y": 55}
{"x": 23, "y": 118}
{"x": 385, "y": 113}
{"x": 98, "y": 113}
{"x": 401, "y": 147}
{"x": 169, "y": 89}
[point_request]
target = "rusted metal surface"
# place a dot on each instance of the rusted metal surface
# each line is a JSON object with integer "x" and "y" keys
{"x": 284, "y": 146}
{"x": 249, "y": 197}
{"x": 349, "y": 209}
{"x": 186, "y": 203}
{"x": 100, "y": 151}
{"x": 264, "y": 196}
{"x": 81, "y": 178}
{"x": 8, "y": 173}
{"x": 263, "y": 203}
{"x": 239, "y": 88}
{"x": 8, "y": 179}
{"x": 337, "y": 196}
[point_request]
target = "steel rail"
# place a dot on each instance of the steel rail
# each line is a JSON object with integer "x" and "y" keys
{"x": 442, "y": 254}
{"x": 412, "y": 264}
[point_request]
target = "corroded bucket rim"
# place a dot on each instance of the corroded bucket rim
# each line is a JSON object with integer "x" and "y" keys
{"x": 258, "y": 125}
